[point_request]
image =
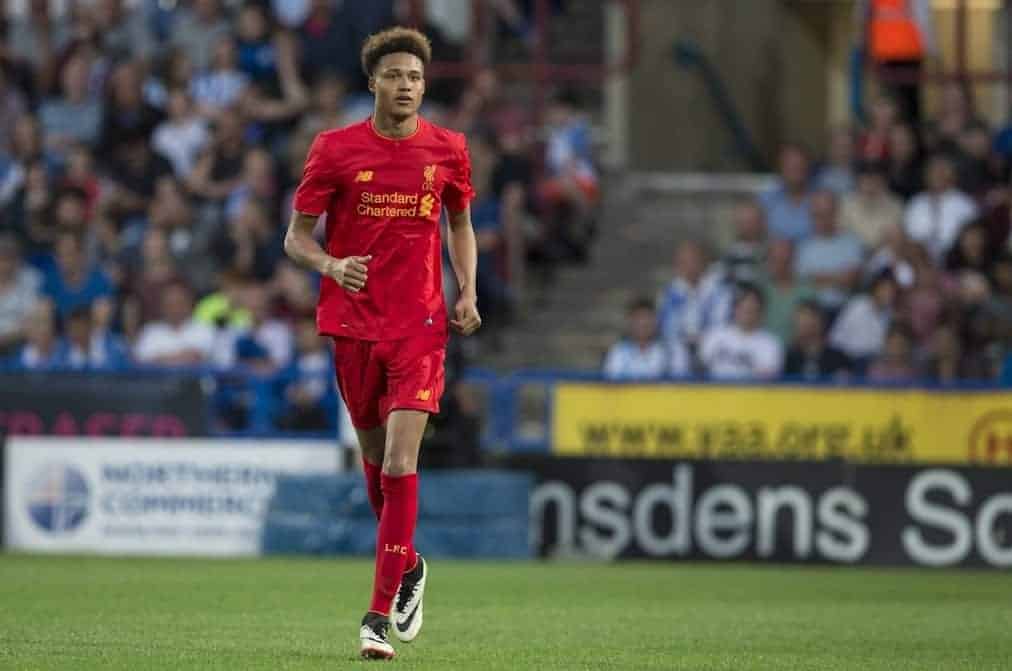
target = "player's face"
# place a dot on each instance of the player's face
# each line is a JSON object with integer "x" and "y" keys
{"x": 398, "y": 84}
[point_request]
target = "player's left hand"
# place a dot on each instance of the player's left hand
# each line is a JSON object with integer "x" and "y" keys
{"x": 467, "y": 320}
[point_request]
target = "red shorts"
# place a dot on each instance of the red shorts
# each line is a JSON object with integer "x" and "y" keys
{"x": 377, "y": 377}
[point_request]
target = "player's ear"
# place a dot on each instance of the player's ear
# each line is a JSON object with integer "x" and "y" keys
{"x": 372, "y": 84}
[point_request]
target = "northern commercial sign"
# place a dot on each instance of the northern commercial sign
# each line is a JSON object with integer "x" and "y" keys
{"x": 146, "y": 496}
{"x": 872, "y": 426}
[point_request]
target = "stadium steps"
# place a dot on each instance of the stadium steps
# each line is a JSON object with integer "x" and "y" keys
{"x": 572, "y": 323}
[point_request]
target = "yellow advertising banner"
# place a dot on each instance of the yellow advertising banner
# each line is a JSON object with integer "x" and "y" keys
{"x": 782, "y": 422}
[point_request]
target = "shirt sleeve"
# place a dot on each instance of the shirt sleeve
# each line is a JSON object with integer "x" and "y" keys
{"x": 319, "y": 181}
{"x": 458, "y": 192}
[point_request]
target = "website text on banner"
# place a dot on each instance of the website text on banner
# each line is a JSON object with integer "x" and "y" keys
{"x": 759, "y": 423}
{"x": 147, "y": 496}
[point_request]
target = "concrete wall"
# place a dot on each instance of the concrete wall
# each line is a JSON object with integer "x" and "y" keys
{"x": 772, "y": 57}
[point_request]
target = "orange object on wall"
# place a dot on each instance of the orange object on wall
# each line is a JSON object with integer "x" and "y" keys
{"x": 893, "y": 34}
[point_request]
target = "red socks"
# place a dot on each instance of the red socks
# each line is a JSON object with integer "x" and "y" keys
{"x": 374, "y": 491}
{"x": 394, "y": 547}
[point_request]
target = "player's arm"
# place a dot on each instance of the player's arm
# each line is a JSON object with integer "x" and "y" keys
{"x": 301, "y": 247}
{"x": 464, "y": 258}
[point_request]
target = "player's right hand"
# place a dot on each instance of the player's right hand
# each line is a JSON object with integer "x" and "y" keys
{"x": 350, "y": 272}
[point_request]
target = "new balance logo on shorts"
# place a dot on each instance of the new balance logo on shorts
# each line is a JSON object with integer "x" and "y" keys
{"x": 423, "y": 394}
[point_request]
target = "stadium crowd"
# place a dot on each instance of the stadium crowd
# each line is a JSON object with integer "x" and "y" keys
{"x": 148, "y": 156}
{"x": 888, "y": 260}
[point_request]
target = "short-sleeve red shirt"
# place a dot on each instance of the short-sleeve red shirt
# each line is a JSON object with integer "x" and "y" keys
{"x": 383, "y": 197}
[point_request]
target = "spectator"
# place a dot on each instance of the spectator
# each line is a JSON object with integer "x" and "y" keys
{"x": 327, "y": 106}
{"x": 151, "y": 273}
{"x": 994, "y": 319}
{"x": 905, "y": 164}
{"x": 19, "y": 292}
{"x": 325, "y": 43}
{"x": 135, "y": 172}
{"x": 935, "y": 216}
{"x": 744, "y": 257}
{"x": 837, "y": 175}
{"x": 831, "y": 259}
{"x": 125, "y": 33}
{"x": 896, "y": 363}
{"x": 257, "y": 183}
{"x": 947, "y": 363}
{"x": 41, "y": 350}
{"x": 223, "y": 308}
{"x": 955, "y": 116}
{"x": 266, "y": 346}
{"x": 177, "y": 339}
{"x": 486, "y": 216}
{"x": 743, "y": 350}
{"x": 258, "y": 52}
{"x": 875, "y": 143}
{"x": 70, "y": 281}
{"x": 74, "y": 116}
{"x": 641, "y": 355}
{"x": 126, "y": 114}
{"x": 571, "y": 189}
{"x": 219, "y": 168}
{"x": 222, "y": 85}
{"x": 976, "y": 168}
{"x": 695, "y": 301}
{"x": 894, "y": 255}
{"x": 88, "y": 348}
{"x": 810, "y": 357}
{"x": 307, "y": 383}
{"x": 30, "y": 215}
{"x": 181, "y": 137}
{"x": 871, "y": 208}
{"x": 295, "y": 290}
{"x": 37, "y": 36}
{"x": 249, "y": 243}
{"x": 783, "y": 291}
{"x": 899, "y": 37}
{"x": 860, "y": 330}
{"x": 971, "y": 251}
{"x": 197, "y": 29}
{"x": 787, "y": 205}
{"x": 13, "y": 105}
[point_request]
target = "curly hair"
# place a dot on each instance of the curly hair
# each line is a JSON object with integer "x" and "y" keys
{"x": 392, "y": 41}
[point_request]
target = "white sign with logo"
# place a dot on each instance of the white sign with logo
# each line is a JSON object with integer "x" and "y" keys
{"x": 147, "y": 496}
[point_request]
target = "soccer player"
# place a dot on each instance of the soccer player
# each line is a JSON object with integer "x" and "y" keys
{"x": 383, "y": 184}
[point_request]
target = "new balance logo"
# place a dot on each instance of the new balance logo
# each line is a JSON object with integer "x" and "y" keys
{"x": 424, "y": 394}
{"x": 396, "y": 549}
{"x": 364, "y": 176}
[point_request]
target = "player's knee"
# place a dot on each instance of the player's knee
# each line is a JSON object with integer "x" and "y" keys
{"x": 397, "y": 463}
{"x": 372, "y": 453}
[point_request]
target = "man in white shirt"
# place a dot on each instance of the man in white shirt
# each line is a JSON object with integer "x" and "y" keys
{"x": 641, "y": 355}
{"x": 935, "y": 217}
{"x": 861, "y": 328}
{"x": 743, "y": 350}
{"x": 176, "y": 340}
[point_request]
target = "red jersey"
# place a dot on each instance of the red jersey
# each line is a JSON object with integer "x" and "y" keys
{"x": 383, "y": 197}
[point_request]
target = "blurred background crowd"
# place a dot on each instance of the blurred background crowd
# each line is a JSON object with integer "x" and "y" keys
{"x": 883, "y": 255}
{"x": 149, "y": 150}
{"x": 148, "y": 156}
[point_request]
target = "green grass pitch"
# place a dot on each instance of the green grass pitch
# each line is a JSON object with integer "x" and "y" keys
{"x": 151, "y": 614}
